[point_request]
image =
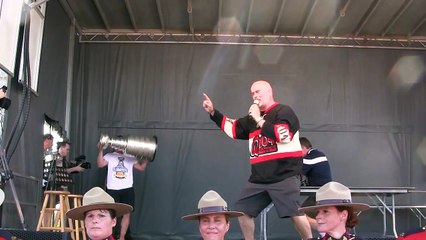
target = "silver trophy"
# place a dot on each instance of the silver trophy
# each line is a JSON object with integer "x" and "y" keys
{"x": 143, "y": 148}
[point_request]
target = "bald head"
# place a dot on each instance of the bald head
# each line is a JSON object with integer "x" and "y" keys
{"x": 262, "y": 91}
{"x": 262, "y": 83}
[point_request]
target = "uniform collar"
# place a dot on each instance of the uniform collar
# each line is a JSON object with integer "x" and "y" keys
{"x": 346, "y": 236}
{"x": 272, "y": 106}
{"x": 110, "y": 238}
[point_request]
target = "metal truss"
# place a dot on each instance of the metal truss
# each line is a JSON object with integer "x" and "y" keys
{"x": 245, "y": 39}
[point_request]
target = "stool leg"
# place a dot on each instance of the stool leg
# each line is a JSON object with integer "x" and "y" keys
{"x": 79, "y": 228}
{"x": 49, "y": 216}
{"x": 83, "y": 228}
{"x": 52, "y": 213}
{"x": 56, "y": 219}
{"x": 62, "y": 212}
{"x": 70, "y": 223}
{"x": 42, "y": 212}
{"x": 76, "y": 222}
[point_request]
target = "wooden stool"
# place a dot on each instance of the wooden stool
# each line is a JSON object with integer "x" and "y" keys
{"x": 78, "y": 224}
{"x": 51, "y": 218}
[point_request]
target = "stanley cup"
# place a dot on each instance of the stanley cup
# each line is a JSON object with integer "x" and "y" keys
{"x": 143, "y": 148}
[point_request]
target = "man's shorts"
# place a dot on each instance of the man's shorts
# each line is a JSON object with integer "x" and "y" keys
{"x": 126, "y": 196}
{"x": 285, "y": 196}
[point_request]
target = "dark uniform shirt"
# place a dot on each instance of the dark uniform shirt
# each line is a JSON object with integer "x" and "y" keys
{"x": 346, "y": 236}
{"x": 316, "y": 168}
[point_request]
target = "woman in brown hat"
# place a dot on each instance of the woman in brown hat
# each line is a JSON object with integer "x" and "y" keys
{"x": 213, "y": 216}
{"x": 335, "y": 212}
{"x": 99, "y": 212}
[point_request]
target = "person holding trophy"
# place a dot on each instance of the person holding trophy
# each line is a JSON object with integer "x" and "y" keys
{"x": 119, "y": 182}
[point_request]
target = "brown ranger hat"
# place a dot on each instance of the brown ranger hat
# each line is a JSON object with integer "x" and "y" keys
{"x": 334, "y": 194}
{"x": 212, "y": 203}
{"x": 94, "y": 199}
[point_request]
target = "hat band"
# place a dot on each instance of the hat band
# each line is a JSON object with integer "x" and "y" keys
{"x": 212, "y": 209}
{"x": 333, "y": 201}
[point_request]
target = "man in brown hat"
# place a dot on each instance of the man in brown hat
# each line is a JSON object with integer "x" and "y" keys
{"x": 99, "y": 212}
{"x": 213, "y": 216}
{"x": 335, "y": 212}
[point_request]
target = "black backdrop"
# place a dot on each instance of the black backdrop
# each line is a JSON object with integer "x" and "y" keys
{"x": 362, "y": 107}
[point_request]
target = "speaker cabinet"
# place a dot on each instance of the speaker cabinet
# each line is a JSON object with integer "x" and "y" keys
{"x": 34, "y": 235}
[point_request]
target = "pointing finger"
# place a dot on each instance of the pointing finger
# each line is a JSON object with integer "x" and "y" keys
{"x": 206, "y": 97}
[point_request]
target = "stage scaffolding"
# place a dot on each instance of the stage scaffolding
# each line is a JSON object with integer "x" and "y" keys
{"x": 262, "y": 40}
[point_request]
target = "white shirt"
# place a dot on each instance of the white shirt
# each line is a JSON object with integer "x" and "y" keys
{"x": 120, "y": 170}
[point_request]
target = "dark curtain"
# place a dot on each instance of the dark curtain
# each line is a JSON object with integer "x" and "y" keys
{"x": 350, "y": 104}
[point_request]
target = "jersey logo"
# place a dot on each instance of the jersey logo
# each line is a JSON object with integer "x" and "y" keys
{"x": 262, "y": 145}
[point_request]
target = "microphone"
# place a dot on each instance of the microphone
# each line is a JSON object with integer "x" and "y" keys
{"x": 256, "y": 101}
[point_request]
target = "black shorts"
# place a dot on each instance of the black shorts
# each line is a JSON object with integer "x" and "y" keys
{"x": 126, "y": 196}
{"x": 285, "y": 196}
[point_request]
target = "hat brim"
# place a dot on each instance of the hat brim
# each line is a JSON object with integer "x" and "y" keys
{"x": 357, "y": 207}
{"x": 119, "y": 208}
{"x": 198, "y": 215}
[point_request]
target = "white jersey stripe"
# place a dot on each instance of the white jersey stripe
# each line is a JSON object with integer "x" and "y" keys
{"x": 314, "y": 161}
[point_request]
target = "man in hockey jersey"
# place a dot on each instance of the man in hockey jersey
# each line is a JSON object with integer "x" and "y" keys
{"x": 272, "y": 130}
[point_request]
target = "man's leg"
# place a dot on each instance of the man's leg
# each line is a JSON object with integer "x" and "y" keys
{"x": 125, "y": 221}
{"x": 302, "y": 226}
{"x": 247, "y": 226}
{"x": 126, "y": 196}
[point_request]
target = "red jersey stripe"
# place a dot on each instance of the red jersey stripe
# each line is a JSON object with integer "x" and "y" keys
{"x": 278, "y": 156}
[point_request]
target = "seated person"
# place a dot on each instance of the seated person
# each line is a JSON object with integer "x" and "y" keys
{"x": 315, "y": 165}
{"x": 99, "y": 212}
{"x": 213, "y": 216}
{"x": 335, "y": 212}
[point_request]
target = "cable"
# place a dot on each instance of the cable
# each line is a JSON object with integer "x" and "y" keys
{"x": 26, "y": 102}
